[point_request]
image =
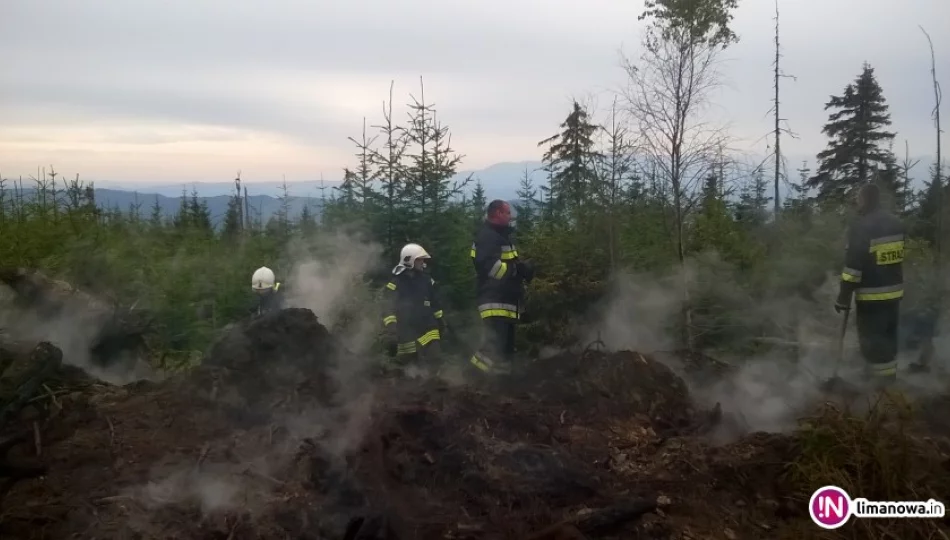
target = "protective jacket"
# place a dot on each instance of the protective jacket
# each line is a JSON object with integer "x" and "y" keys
{"x": 873, "y": 268}
{"x": 411, "y": 303}
{"x": 499, "y": 285}
{"x": 270, "y": 300}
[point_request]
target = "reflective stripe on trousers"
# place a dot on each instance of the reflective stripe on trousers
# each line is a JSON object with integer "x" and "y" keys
{"x": 887, "y": 369}
{"x": 410, "y": 347}
{"x": 481, "y": 361}
{"x": 485, "y": 364}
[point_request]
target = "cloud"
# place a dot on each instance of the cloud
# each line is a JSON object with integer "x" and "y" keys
{"x": 301, "y": 75}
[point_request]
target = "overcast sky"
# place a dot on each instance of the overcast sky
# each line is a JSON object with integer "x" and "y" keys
{"x": 194, "y": 90}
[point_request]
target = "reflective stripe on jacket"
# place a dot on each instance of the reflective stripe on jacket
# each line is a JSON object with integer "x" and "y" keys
{"x": 874, "y": 259}
{"x": 499, "y": 287}
{"x": 411, "y": 302}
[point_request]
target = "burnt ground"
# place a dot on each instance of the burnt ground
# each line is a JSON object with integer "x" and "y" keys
{"x": 280, "y": 434}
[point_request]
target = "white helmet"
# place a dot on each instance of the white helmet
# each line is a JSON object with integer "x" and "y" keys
{"x": 263, "y": 279}
{"x": 411, "y": 252}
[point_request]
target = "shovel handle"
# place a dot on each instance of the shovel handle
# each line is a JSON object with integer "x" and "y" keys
{"x": 844, "y": 330}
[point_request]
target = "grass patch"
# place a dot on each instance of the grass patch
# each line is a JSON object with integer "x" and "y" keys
{"x": 879, "y": 454}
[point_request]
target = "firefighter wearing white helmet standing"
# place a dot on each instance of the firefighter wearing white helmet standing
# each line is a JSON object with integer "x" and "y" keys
{"x": 412, "y": 316}
{"x": 265, "y": 285}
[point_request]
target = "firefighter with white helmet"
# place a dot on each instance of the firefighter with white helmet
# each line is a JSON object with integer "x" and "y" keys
{"x": 265, "y": 285}
{"x": 412, "y": 317}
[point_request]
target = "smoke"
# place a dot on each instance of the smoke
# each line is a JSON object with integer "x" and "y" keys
{"x": 638, "y": 318}
{"x": 327, "y": 278}
{"x": 765, "y": 393}
{"x": 71, "y": 320}
{"x": 782, "y": 346}
{"x": 212, "y": 491}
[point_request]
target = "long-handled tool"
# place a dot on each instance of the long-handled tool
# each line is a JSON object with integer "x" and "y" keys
{"x": 839, "y": 354}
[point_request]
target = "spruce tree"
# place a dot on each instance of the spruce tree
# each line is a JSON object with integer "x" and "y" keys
{"x": 927, "y": 212}
{"x": 307, "y": 223}
{"x": 431, "y": 165}
{"x": 858, "y": 149}
{"x": 232, "y": 218}
{"x": 347, "y": 189}
{"x": 182, "y": 219}
{"x": 156, "y": 219}
{"x": 479, "y": 202}
{"x": 797, "y": 201}
{"x": 752, "y": 209}
{"x": 713, "y": 227}
{"x": 391, "y": 173}
{"x": 199, "y": 214}
{"x": 572, "y": 157}
{"x": 527, "y": 204}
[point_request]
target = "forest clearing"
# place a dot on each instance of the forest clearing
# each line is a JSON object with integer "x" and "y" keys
{"x": 283, "y": 433}
{"x": 685, "y": 363}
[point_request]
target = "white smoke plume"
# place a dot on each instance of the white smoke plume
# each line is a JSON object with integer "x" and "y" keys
{"x": 72, "y": 326}
{"x": 780, "y": 377}
{"x": 326, "y": 277}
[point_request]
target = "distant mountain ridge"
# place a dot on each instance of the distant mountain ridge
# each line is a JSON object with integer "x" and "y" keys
{"x": 500, "y": 181}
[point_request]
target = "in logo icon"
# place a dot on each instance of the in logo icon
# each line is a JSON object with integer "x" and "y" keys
{"x": 830, "y": 507}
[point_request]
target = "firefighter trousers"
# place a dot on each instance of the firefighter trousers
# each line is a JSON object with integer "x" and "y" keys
{"x": 878, "y": 323}
{"x": 497, "y": 348}
{"x": 419, "y": 355}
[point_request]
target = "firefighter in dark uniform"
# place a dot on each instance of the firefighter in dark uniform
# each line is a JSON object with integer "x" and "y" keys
{"x": 412, "y": 316}
{"x": 873, "y": 274}
{"x": 267, "y": 289}
{"x": 500, "y": 278}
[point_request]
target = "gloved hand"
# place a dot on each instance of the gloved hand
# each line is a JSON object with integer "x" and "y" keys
{"x": 843, "y": 302}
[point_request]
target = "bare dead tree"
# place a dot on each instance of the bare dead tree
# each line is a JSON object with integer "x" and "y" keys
{"x": 778, "y": 130}
{"x": 777, "y": 103}
{"x": 283, "y": 211}
{"x": 938, "y": 98}
{"x": 905, "y": 168}
{"x": 242, "y": 218}
{"x": 668, "y": 91}
{"x": 247, "y": 209}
